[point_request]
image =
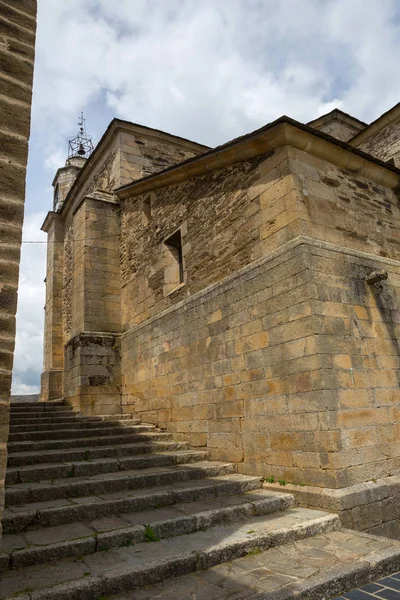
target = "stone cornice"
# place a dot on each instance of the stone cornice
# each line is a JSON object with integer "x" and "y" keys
{"x": 50, "y": 218}
{"x": 96, "y": 196}
{"x": 283, "y": 132}
{"x": 380, "y": 123}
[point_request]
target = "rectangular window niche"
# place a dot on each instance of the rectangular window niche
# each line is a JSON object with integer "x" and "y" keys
{"x": 174, "y": 274}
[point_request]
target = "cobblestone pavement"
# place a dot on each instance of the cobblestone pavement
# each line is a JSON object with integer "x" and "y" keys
{"x": 387, "y": 588}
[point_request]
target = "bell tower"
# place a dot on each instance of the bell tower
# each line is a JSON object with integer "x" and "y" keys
{"x": 80, "y": 148}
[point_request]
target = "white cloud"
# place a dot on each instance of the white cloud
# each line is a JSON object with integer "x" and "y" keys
{"x": 208, "y": 70}
{"x": 211, "y": 70}
{"x": 28, "y": 357}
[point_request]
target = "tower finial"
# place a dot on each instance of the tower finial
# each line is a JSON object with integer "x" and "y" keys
{"x": 82, "y": 144}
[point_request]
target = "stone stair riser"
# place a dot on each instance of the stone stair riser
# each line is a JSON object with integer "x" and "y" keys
{"x": 39, "y": 405}
{"x": 75, "y": 417}
{"x": 80, "y": 469}
{"x": 88, "y": 441}
{"x": 64, "y": 434}
{"x": 70, "y": 488}
{"x": 136, "y": 533}
{"x": 74, "y": 423}
{"x": 38, "y": 409}
{"x": 50, "y": 517}
{"x": 35, "y": 458}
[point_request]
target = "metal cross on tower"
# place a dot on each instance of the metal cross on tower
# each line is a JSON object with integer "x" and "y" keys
{"x": 81, "y": 144}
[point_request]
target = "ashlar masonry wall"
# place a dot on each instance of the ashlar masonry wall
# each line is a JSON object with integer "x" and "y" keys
{"x": 17, "y": 33}
{"x": 280, "y": 357}
{"x": 83, "y": 292}
{"x": 385, "y": 144}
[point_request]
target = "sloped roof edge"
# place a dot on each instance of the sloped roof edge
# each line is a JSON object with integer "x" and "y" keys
{"x": 331, "y": 115}
{"x": 198, "y": 163}
{"x": 115, "y": 125}
{"x": 373, "y": 128}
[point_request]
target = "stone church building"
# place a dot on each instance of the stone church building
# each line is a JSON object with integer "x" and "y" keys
{"x": 245, "y": 297}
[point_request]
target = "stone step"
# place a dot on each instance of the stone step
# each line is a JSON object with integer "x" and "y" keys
{"x": 73, "y": 424}
{"x": 67, "y": 510}
{"x": 80, "y": 538}
{"x": 68, "y": 418}
{"x": 27, "y": 493}
{"x": 38, "y": 405}
{"x": 77, "y": 432}
{"x": 21, "y": 459}
{"x": 17, "y": 417}
{"x": 119, "y": 570}
{"x": 318, "y": 568}
{"x": 108, "y": 465}
{"x": 39, "y": 408}
{"x": 122, "y": 438}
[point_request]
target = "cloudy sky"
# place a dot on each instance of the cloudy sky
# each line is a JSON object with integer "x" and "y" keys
{"x": 208, "y": 70}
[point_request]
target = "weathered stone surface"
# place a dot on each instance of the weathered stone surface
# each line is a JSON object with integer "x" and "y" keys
{"x": 16, "y": 65}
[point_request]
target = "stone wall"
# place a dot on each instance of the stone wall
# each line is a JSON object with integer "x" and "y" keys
{"x": 385, "y": 144}
{"x": 135, "y": 154}
{"x": 52, "y": 376}
{"x": 274, "y": 352}
{"x": 92, "y": 373}
{"x": 83, "y": 288}
{"x": 373, "y": 506}
{"x": 225, "y": 221}
{"x": 17, "y": 34}
{"x": 344, "y": 208}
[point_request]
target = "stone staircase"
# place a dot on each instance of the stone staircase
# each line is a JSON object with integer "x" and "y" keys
{"x": 103, "y": 506}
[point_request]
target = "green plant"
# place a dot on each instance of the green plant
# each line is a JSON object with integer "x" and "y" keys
{"x": 150, "y": 535}
{"x": 270, "y": 479}
{"x": 86, "y": 574}
{"x": 252, "y": 531}
{"x": 254, "y": 552}
{"x": 281, "y": 482}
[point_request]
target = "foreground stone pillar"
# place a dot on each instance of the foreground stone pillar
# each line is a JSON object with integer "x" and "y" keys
{"x": 17, "y": 32}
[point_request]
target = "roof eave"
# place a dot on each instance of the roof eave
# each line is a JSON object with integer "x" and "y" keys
{"x": 283, "y": 131}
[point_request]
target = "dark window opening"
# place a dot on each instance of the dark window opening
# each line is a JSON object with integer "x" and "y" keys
{"x": 147, "y": 208}
{"x": 174, "y": 269}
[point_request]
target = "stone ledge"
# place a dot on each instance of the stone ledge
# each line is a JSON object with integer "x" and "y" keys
{"x": 277, "y": 255}
{"x": 368, "y": 506}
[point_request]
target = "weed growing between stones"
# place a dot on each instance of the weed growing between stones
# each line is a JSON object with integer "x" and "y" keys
{"x": 254, "y": 551}
{"x": 150, "y": 534}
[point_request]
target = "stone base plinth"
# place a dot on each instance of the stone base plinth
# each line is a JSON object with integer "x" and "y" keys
{"x": 372, "y": 507}
{"x": 92, "y": 373}
{"x": 51, "y": 385}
